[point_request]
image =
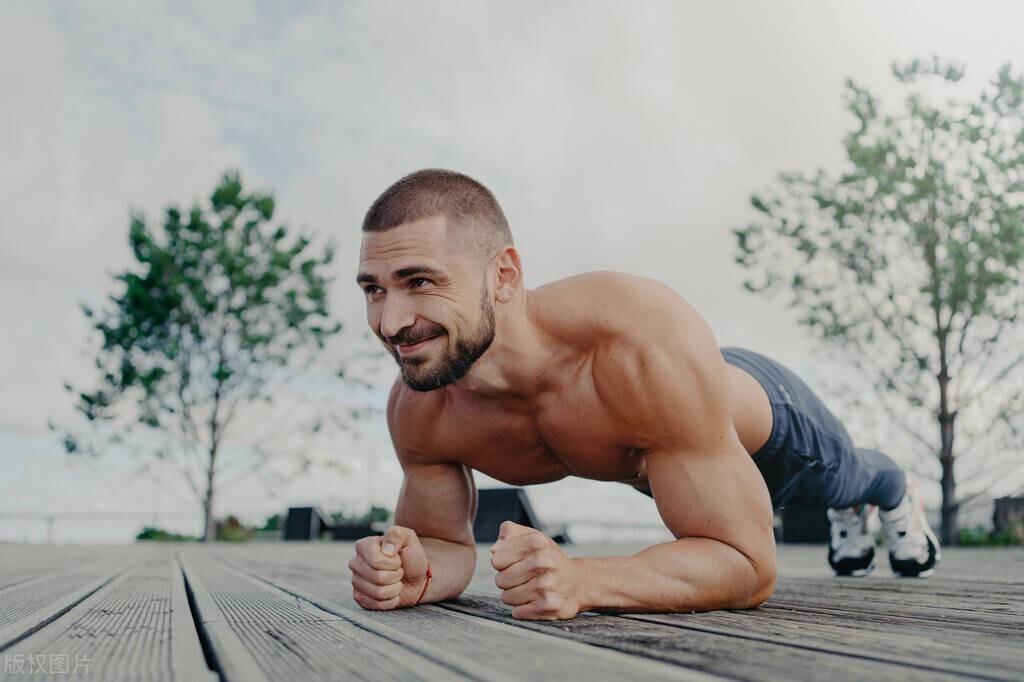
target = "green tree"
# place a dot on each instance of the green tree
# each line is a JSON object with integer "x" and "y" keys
{"x": 218, "y": 304}
{"x": 909, "y": 264}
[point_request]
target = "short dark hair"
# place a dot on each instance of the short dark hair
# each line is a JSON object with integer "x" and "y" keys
{"x": 473, "y": 213}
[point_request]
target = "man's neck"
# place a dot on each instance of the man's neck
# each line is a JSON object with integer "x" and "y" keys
{"x": 518, "y": 362}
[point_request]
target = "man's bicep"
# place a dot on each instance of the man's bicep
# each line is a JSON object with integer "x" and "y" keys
{"x": 703, "y": 480}
{"x": 716, "y": 493}
{"x": 438, "y": 501}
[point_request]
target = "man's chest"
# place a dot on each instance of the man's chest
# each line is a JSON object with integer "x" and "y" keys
{"x": 569, "y": 436}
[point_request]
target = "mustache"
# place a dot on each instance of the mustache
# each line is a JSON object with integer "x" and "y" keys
{"x": 409, "y": 338}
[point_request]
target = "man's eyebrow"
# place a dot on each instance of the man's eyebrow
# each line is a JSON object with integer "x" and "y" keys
{"x": 412, "y": 270}
{"x": 402, "y": 273}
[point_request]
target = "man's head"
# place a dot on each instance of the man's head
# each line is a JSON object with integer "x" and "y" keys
{"x": 432, "y": 245}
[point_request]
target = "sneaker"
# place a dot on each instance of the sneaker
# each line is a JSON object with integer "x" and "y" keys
{"x": 851, "y": 549}
{"x": 913, "y": 548}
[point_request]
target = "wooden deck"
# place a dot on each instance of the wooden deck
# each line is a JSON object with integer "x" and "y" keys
{"x": 285, "y": 612}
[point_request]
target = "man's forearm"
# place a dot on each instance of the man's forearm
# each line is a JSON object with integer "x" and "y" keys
{"x": 451, "y": 564}
{"x": 689, "y": 574}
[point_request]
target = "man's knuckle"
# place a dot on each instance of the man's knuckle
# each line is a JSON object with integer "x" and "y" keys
{"x": 543, "y": 562}
{"x": 401, "y": 532}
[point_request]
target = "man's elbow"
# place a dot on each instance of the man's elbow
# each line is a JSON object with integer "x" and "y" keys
{"x": 762, "y": 586}
{"x": 758, "y": 582}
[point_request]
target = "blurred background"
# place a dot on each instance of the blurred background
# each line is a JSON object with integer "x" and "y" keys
{"x": 787, "y": 167}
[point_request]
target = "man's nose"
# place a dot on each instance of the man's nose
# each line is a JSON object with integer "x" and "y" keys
{"x": 396, "y": 316}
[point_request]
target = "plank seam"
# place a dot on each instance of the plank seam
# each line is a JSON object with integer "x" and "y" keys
{"x": 197, "y": 593}
{"x": 31, "y": 623}
{"x": 24, "y": 582}
{"x": 182, "y": 603}
{"x": 655, "y": 665}
{"x": 423, "y": 649}
{"x": 644, "y": 665}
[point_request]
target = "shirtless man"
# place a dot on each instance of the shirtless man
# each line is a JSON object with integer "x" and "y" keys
{"x": 606, "y": 376}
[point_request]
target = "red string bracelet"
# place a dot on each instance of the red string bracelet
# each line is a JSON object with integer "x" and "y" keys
{"x": 425, "y": 585}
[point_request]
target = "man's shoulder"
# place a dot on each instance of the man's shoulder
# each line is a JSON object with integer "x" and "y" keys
{"x": 612, "y": 306}
{"x": 652, "y": 355}
{"x": 604, "y": 281}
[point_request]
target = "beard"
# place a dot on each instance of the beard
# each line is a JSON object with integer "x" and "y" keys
{"x": 455, "y": 363}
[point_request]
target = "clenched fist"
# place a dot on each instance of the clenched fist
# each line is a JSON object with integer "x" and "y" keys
{"x": 535, "y": 575}
{"x": 388, "y": 571}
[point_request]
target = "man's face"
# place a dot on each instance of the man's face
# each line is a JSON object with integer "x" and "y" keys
{"x": 427, "y": 303}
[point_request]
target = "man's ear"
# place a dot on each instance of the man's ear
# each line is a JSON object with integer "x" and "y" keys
{"x": 508, "y": 273}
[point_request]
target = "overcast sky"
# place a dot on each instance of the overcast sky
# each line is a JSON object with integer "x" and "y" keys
{"x": 623, "y": 136}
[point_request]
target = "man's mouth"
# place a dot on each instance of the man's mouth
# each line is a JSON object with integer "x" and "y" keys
{"x": 407, "y": 348}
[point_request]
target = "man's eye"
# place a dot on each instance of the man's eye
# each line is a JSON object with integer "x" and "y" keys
{"x": 412, "y": 282}
{"x": 371, "y": 290}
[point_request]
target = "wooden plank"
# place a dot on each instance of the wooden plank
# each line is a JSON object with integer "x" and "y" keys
{"x": 725, "y": 647}
{"x": 945, "y": 651}
{"x": 948, "y": 595}
{"x": 256, "y": 632}
{"x": 21, "y": 563}
{"x": 481, "y": 648}
{"x": 136, "y": 627}
{"x": 946, "y": 639}
{"x": 895, "y": 608}
{"x": 27, "y": 606}
{"x": 713, "y": 652}
{"x": 926, "y": 611}
{"x": 20, "y": 572}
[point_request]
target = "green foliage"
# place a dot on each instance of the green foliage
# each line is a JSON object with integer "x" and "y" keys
{"x": 161, "y": 535}
{"x": 374, "y": 515}
{"x": 233, "y": 530}
{"x": 939, "y": 183}
{"x": 215, "y": 295}
{"x": 910, "y": 259}
{"x": 979, "y": 537}
{"x": 217, "y": 300}
{"x": 272, "y": 523}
